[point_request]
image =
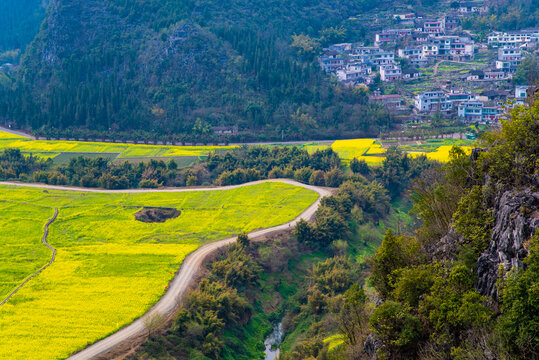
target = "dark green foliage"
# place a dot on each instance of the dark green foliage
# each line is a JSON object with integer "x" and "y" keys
{"x": 243, "y": 240}
{"x": 371, "y": 197}
{"x": 175, "y": 70}
{"x": 215, "y": 306}
{"x": 527, "y": 72}
{"x": 333, "y": 276}
{"x": 334, "y": 177}
{"x": 505, "y": 15}
{"x": 238, "y": 269}
{"x": 395, "y": 252}
{"x": 513, "y": 157}
{"x": 257, "y": 162}
{"x": 304, "y": 233}
{"x": 437, "y": 192}
{"x": 19, "y": 23}
{"x": 330, "y": 225}
{"x": 397, "y": 170}
{"x": 16, "y": 166}
{"x": 359, "y": 166}
{"x": 353, "y": 315}
{"x": 518, "y": 326}
{"x": 453, "y": 306}
{"x": 474, "y": 220}
{"x": 396, "y": 327}
{"x": 411, "y": 283}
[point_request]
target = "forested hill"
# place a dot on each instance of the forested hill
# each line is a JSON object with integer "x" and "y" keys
{"x": 183, "y": 67}
{"x": 19, "y": 23}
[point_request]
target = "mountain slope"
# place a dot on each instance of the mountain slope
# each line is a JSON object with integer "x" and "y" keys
{"x": 19, "y": 23}
{"x": 166, "y": 65}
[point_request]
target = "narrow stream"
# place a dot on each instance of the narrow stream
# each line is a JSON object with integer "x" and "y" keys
{"x": 273, "y": 341}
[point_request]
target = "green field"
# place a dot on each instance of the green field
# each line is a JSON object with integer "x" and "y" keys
{"x": 110, "y": 268}
{"x": 61, "y": 151}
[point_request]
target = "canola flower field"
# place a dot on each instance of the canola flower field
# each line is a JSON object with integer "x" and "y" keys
{"x": 369, "y": 150}
{"x": 53, "y": 148}
{"x": 373, "y": 153}
{"x": 110, "y": 269}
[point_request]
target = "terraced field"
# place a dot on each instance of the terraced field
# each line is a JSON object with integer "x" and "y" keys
{"x": 110, "y": 268}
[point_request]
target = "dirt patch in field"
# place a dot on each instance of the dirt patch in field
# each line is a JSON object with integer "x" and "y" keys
{"x": 156, "y": 214}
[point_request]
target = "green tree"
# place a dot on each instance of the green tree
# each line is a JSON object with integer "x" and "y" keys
{"x": 527, "y": 72}
{"x": 303, "y": 232}
{"x": 396, "y": 327}
{"x": 334, "y": 177}
{"x": 394, "y": 253}
{"x": 353, "y": 316}
{"x": 359, "y": 166}
{"x": 518, "y": 326}
{"x": 243, "y": 240}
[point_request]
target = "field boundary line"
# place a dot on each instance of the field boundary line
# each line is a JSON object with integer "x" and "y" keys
{"x": 44, "y": 241}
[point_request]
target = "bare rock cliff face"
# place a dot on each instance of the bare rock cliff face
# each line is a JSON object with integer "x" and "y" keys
{"x": 517, "y": 217}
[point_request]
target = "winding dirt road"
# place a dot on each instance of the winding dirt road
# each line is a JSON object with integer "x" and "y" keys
{"x": 191, "y": 265}
{"x": 44, "y": 241}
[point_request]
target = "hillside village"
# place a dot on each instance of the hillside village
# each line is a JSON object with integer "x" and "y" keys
{"x": 421, "y": 65}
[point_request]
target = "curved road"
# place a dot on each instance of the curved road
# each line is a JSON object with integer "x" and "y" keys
{"x": 44, "y": 241}
{"x": 190, "y": 266}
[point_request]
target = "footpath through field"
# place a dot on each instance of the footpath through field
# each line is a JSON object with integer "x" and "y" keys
{"x": 178, "y": 287}
{"x": 44, "y": 241}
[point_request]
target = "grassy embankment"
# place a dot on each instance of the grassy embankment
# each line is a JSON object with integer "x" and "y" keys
{"x": 110, "y": 268}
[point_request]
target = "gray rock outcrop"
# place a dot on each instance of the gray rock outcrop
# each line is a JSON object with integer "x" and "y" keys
{"x": 517, "y": 217}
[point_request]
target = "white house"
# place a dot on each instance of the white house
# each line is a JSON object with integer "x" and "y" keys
{"x": 390, "y": 72}
{"x": 432, "y": 101}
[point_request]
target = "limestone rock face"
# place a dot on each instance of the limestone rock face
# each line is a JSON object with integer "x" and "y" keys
{"x": 517, "y": 217}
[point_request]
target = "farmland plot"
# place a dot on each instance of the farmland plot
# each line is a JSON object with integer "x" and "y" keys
{"x": 110, "y": 268}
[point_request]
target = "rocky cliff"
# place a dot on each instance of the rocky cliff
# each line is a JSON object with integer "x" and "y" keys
{"x": 517, "y": 217}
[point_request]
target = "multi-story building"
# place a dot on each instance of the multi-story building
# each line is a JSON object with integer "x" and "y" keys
{"x": 429, "y": 50}
{"x": 392, "y": 36}
{"x": 434, "y": 27}
{"x": 457, "y": 97}
{"x": 513, "y": 38}
{"x": 472, "y": 7}
{"x": 497, "y": 75}
{"x": 476, "y": 111}
{"x": 390, "y": 72}
{"x": 390, "y": 102}
{"x": 451, "y": 22}
{"x": 450, "y": 47}
{"x": 411, "y": 53}
{"x": 432, "y": 101}
{"x": 509, "y": 58}
{"x": 359, "y": 66}
{"x": 341, "y": 48}
{"x": 350, "y": 75}
{"x": 471, "y": 111}
{"x": 381, "y": 58}
{"x": 331, "y": 61}
{"x": 521, "y": 93}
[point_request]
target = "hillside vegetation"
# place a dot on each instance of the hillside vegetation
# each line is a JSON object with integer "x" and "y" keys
{"x": 19, "y": 24}
{"x": 184, "y": 67}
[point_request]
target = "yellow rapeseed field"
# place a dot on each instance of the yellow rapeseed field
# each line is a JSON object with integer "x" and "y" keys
{"x": 442, "y": 153}
{"x": 349, "y": 149}
{"x": 124, "y": 150}
{"x": 111, "y": 268}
